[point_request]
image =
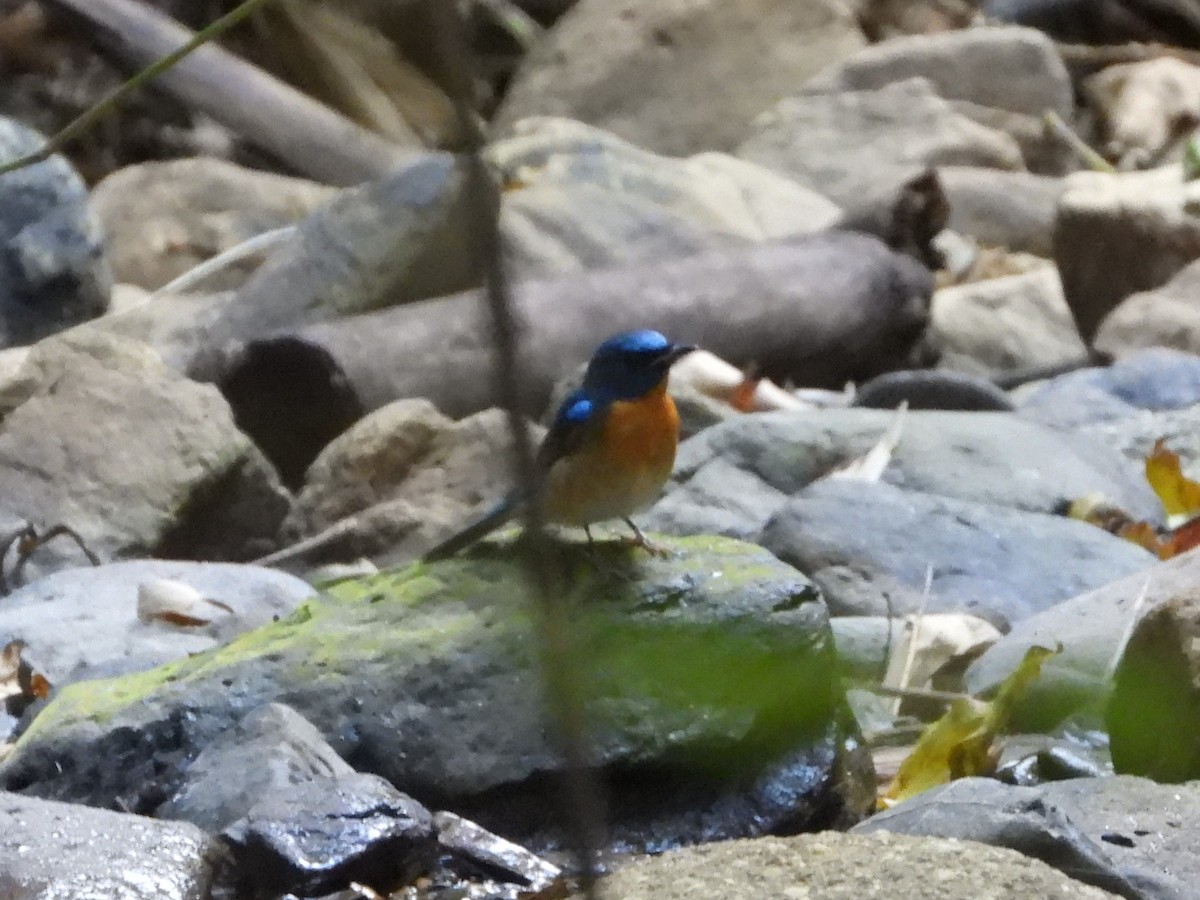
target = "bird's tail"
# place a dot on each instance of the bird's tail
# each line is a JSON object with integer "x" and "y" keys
{"x": 488, "y": 522}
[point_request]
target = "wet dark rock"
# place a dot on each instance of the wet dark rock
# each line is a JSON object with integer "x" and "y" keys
{"x": 82, "y": 623}
{"x": 266, "y": 754}
{"x": 931, "y": 389}
{"x": 1065, "y": 825}
{"x": 711, "y": 687}
{"x": 481, "y": 852}
{"x": 50, "y": 849}
{"x": 53, "y": 268}
{"x": 996, "y": 562}
{"x": 316, "y": 836}
{"x": 98, "y": 434}
{"x": 1153, "y": 714}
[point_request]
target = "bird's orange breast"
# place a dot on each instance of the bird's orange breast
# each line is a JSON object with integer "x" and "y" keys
{"x": 622, "y": 468}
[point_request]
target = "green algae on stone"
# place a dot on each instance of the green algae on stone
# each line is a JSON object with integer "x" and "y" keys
{"x": 709, "y": 662}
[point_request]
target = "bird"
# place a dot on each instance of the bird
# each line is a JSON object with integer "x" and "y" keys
{"x": 610, "y": 449}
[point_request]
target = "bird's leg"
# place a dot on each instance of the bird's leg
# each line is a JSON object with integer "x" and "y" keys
{"x": 640, "y": 540}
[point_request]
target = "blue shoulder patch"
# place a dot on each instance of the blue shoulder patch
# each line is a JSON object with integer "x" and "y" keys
{"x": 576, "y": 409}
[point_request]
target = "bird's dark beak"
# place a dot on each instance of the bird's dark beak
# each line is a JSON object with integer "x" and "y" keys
{"x": 672, "y": 355}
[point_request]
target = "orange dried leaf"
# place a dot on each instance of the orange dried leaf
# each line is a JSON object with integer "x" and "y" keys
{"x": 1180, "y": 495}
{"x": 1182, "y": 539}
{"x": 20, "y": 685}
{"x": 174, "y": 618}
{"x": 1144, "y": 535}
{"x": 743, "y": 396}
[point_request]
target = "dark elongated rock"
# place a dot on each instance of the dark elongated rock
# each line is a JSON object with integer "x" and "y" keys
{"x": 819, "y": 310}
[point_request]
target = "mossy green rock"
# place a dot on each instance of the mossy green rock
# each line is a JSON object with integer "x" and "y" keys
{"x": 712, "y": 704}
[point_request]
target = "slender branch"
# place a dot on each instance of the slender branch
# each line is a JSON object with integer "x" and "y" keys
{"x": 583, "y": 801}
{"x": 1060, "y": 129}
{"x": 110, "y": 103}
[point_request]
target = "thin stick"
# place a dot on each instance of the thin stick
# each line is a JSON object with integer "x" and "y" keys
{"x": 266, "y": 241}
{"x": 1134, "y": 616}
{"x": 906, "y": 693}
{"x": 324, "y": 538}
{"x": 910, "y": 654}
{"x": 1055, "y": 125}
{"x": 564, "y": 692}
{"x": 109, "y": 104}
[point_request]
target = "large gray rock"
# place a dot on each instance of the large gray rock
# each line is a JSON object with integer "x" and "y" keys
{"x": 98, "y": 434}
{"x": 53, "y": 269}
{"x": 50, "y": 850}
{"x": 961, "y": 64}
{"x": 596, "y": 63}
{"x": 409, "y": 475}
{"x": 992, "y": 561}
{"x": 1144, "y": 108}
{"x": 835, "y": 866}
{"x": 1117, "y": 234}
{"x": 851, "y": 144}
{"x": 1156, "y": 380}
{"x": 988, "y": 458}
{"x": 1015, "y": 210}
{"x": 83, "y": 623}
{"x": 164, "y": 218}
{"x": 1125, "y": 835}
{"x": 1166, "y": 316}
{"x": 1091, "y": 628}
{"x": 1135, "y": 436}
{"x": 391, "y": 241}
{"x": 429, "y": 676}
{"x": 586, "y": 199}
{"x": 1004, "y": 324}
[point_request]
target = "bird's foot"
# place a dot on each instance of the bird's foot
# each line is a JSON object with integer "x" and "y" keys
{"x": 640, "y": 540}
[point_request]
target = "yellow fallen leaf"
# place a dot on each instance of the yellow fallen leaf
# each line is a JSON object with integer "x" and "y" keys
{"x": 1180, "y": 496}
{"x": 959, "y": 744}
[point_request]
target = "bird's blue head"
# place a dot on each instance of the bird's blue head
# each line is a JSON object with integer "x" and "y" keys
{"x": 630, "y": 364}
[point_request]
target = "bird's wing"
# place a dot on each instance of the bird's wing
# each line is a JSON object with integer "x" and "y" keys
{"x": 577, "y": 419}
